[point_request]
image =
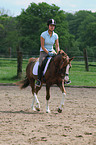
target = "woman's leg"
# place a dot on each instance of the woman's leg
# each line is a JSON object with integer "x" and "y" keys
{"x": 40, "y": 68}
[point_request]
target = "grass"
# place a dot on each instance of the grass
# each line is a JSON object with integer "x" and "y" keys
{"x": 78, "y": 75}
{"x": 8, "y": 70}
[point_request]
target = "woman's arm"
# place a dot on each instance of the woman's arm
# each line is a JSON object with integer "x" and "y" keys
{"x": 42, "y": 44}
{"x": 57, "y": 45}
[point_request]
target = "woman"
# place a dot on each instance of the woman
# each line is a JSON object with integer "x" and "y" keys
{"x": 48, "y": 39}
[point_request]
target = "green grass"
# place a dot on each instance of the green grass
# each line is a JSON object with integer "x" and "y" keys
{"x": 8, "y": 70}
{"x": 78, "y": 75}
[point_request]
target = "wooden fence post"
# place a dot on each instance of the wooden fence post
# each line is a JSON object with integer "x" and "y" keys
{"x": 9, "y": 49}
{"x": 86, "y": 59}
{"x": 19, "y": 64}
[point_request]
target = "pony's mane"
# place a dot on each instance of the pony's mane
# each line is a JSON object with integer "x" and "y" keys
{"x": 60, "y": 55}
{"x": 62, "y": 52}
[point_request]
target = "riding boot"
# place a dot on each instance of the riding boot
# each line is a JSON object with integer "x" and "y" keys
{"x": 40, "y": 72}
{"x": 38, "y": 82}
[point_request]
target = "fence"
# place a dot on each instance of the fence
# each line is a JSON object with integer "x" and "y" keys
{"x": 9, "y": 72}
{"x": 20, "y": 56}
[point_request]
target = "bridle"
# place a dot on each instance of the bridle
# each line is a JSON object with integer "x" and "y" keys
{"x": 60, "y": 70}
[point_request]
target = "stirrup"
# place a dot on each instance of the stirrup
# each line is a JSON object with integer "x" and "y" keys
{"x": 67, "y": 82}
{"x": 38, "y": 83}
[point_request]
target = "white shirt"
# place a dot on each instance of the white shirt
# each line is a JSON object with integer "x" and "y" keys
{"x": 49, "y": 41}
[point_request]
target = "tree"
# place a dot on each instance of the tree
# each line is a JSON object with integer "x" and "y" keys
{"x": 8, "y": 33}
{"x": 75, "y": 20}
{"x": 76, "y": 31}
{"x": 87, "y": 32}
{"x": 32, "y": 22}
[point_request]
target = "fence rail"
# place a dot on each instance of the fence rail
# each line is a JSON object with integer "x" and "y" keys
{"x": 77, "y": 58}
{"x": 9, "y": 66}
{"x": 30, "y": 54}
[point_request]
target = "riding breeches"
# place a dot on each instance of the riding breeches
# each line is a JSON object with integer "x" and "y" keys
{"x": 43, "y": 55}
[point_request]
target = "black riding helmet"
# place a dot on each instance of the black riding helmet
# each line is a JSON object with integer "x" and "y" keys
{"x": 51, "y": 21}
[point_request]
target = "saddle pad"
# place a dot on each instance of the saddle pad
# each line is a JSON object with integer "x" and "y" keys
{"x": 35, "y": 68}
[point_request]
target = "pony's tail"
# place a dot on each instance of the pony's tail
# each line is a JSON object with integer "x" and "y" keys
{"x": 23, "y": 84}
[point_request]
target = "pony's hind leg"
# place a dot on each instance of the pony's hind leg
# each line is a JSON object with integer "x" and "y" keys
{"x": 36, "y": 98}
{"x": 32, "y": 105}
{"x": 37, "y": 102}
{"x": 33, "y": 98}
{"x": 36, "y": 89}
{"x": 47, "y": 99}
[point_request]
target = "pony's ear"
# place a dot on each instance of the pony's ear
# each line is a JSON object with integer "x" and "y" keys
{"x": 70, "y": 59}
{"x": 63, "y": 54}
{"x": 58, "y": 52}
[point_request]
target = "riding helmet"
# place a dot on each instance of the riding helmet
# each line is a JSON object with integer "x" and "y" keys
{"x": 51, "y": 21}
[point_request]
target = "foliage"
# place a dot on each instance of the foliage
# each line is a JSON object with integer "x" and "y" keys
{"x": 33, "y": 21}
{"x": 76, "y": 31}
{"x": 8, "y": 34}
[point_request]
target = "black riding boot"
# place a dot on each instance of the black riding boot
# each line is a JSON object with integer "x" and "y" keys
{"x": 40, "y": 72}
{"x": 38, "y": 82}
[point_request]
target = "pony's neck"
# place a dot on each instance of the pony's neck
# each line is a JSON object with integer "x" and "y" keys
{"x": 57, "y": 59}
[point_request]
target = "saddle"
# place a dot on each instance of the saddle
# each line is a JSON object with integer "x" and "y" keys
{"x": 44, "y": 65}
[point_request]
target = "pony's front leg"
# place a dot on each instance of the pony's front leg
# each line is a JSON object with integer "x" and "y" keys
{"x": 47, "y": 99}
{"x": 63, "y": 96}
{"x": 62, "y": 103}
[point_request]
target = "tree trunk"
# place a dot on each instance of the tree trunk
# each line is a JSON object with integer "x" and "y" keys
{"x": 19, "y": 64}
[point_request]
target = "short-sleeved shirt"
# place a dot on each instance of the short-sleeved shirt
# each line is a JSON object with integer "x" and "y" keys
{"x": 49, "y": 41}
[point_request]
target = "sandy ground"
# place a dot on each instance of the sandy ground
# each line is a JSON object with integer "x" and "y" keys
{"x": 19, "y": 125}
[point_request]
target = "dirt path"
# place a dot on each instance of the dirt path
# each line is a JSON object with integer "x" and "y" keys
{"x": 76, "y": 125}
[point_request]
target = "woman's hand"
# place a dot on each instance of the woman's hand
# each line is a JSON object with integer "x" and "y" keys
{"x": 51, "y": 54}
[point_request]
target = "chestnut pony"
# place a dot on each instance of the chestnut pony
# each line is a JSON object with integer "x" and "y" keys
{"x": 54, "y": 75}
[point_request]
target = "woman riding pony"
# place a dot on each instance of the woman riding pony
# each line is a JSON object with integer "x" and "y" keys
{"x": 48, "y": 39}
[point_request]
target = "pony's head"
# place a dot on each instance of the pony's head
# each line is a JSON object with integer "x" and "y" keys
{"x": 65, "y": 58}
{"x": 64, "y": 61}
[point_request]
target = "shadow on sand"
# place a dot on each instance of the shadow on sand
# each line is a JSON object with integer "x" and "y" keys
{"x": 22, "y": 112}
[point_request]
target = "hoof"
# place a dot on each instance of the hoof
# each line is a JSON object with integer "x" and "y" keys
{"x": 33, "y": 108}
{"x": 59, "y": 110}
{"x": 48, "y": 111}
{"x": 38, "y": 109}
